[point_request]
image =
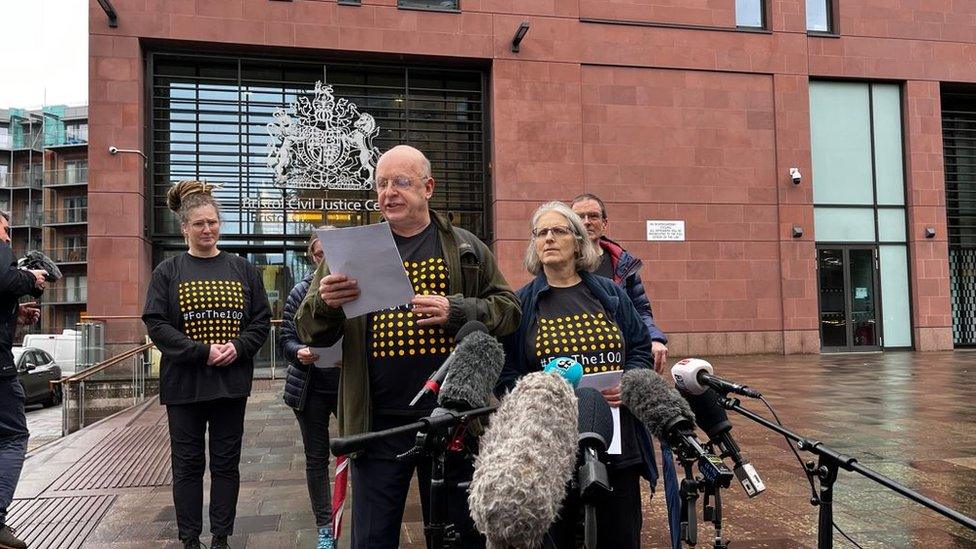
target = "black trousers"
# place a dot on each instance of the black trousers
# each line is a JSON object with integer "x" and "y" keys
{"x": 313, "y": 420}
{"x": 189, "y": 425}
{"x": 380, "y": 484}
{"x": 618, "y": 515}
{"x": 13, "y": 440}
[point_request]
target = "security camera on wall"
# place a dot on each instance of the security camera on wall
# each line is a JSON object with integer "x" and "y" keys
{"x": 795, "y": 175}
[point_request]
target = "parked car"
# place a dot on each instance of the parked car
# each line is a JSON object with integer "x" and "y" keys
{"x": 35, "y": 369}
{"x": 61, "y": 346}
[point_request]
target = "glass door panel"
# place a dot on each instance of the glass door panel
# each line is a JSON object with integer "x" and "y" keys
{"x": 833, "y": 310}
{"x": 848, "y": 286}
{"x": 863, "y": 299}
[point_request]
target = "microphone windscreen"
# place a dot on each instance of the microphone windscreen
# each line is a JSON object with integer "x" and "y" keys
{"x": 468, "y": 328}
{"x": 594, "y": 417}
{"x": 35, "y": 260}
{"x": 709, "y": 414}
{"x": 571, "y": 370}
{"x": 527, "y": 457}
{"x": 652, "y": 401}
{"x": 477, "y": 362}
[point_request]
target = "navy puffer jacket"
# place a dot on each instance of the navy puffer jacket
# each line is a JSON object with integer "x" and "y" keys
{"x": 297, "y": 379}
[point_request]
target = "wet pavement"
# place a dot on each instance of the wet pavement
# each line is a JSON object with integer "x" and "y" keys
{"x": 44, "y": 425}
{"x": 909, "y": 416}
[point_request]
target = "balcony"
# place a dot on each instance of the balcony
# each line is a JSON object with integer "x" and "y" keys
{"x": 66, "y": 216}
{"x": 32, "y": 141}
{"x": 5, "y": 141}
{"x": 22, "y": 180}
{"x": 66, "y": 178}
{"x": 26, "y": 219}
{"x": 65, "y": 295}
{"x": 68, "y": 255}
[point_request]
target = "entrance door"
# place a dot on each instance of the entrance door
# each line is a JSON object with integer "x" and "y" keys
{"x": 849, "y": 319}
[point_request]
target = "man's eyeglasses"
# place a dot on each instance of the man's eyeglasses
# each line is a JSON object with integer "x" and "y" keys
{"x": 557, "y": 232}
{"x": 400, "y": 182}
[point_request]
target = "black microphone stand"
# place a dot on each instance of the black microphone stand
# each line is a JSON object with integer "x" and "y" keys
{"x": 829, "y": 461}
{"x": 713, "y": 513}
{"x": 437, "y": 434}
{"x": 443, "y": 436}
{"x": 689, "y": 496}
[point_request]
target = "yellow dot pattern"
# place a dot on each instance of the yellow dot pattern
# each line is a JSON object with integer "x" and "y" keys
{"x": 212, "y": 309}
{"x": 586, "y": 334}
{"x": 395, "y": 333}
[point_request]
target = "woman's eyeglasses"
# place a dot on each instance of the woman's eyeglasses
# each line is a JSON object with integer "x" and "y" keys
{"x": 557, "y": 232}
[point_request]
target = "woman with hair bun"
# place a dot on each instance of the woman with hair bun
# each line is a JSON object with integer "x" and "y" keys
{"x": 208, "y": 314}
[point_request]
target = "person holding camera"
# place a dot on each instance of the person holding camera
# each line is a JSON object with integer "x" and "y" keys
{"x": 14, "y": 283}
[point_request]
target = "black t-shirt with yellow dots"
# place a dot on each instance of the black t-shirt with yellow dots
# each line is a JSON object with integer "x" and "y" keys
{"x": 572, "y": 323}
{"x": 195, "y": 302}
{"x": 402, "y": 355}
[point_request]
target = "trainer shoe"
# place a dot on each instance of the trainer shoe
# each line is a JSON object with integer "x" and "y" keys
{"x": 326, "y": 541}
{"x": 8, "y": 540}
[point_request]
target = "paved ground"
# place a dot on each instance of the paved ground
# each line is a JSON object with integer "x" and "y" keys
{"x": 44, "y": 425}
{"x": 909, "y": 416}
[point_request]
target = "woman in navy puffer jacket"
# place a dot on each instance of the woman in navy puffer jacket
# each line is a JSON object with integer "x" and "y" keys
{"x": 312, "y": 392}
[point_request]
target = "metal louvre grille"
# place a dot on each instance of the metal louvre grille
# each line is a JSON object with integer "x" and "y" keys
{"x": 58, "y": 523}
{"x": 959, "y": 150}
{"x": 210, "y": 117}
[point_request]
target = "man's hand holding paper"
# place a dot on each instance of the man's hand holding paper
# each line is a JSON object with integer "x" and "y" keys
{"x": 367, "y": 272}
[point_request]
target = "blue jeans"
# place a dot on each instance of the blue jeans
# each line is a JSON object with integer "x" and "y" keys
{"x": 13, "y": 440}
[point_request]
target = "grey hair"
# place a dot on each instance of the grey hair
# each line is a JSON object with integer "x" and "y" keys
{"x": 587, "y": 257}
{"x": 314, "y": 237}
{"x": 5, "y": 215}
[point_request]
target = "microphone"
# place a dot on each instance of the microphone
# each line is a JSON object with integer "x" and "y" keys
{"x": 595, "y": 426}
{"x": 566, "y": 367}
{"x": 471, "y": 375}
{"x": 527, "y": 458}
{"x": 662, "y": 410}
{"x": 433, "y": 384}
{"x": 694, "y": 375}
{"x": 712, "y": 418}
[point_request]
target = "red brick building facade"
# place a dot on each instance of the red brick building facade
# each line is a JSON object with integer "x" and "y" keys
{"x": 664, "y": 108}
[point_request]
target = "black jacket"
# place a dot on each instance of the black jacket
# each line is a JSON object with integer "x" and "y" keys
{"x": 14, "y": 284}
{"x": 298, "y": 376}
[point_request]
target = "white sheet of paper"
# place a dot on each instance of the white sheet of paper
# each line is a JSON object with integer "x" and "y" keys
{"x": 368, "y": 255}
{"x": 602, "y": 380}
{"x": 606, "y": 380}
{"x": 329, "y": 357}
{"x": 615, "y": 442}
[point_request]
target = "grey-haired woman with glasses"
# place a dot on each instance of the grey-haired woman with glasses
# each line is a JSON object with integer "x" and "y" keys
{"x": 569, "y": 312}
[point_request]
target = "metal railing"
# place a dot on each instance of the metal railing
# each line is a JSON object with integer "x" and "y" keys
{"x": 27, "y": 218}
{"x": 75, "y": 176}
{"x": 108, "y": 387}
{"x": 77, "y": 214}
{"x": 19, "y": 180}
{"x": 68, "y": 255}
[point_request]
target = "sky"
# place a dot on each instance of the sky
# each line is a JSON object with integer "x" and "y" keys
{"x": 43, "y": 53}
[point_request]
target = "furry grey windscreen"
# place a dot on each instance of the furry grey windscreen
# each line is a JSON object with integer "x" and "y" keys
{"x": 478, "y": 360}
{"x": 652, "y": 400}
{"x": 527, "y": 457}
{"x": 37, "y": 260}
{"x": 594, "y": 414}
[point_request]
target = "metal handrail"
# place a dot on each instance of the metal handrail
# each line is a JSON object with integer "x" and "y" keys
{"x": 81, "y": 376}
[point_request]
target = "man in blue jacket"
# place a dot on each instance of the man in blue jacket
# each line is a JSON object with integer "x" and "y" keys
{"x": 14, "y": 283}
{"x": 624, "y": 269}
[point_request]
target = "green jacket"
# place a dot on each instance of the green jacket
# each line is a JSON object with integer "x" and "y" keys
{"x": 476, "y": 291}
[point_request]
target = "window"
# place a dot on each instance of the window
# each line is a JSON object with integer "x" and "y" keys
{"x": 75, "y": 171}
{"x": 749, "y": 14}
{"x": 819, "y": 15}
{"x": 448, "y": 5}
{"x": 76, "y": 132}
{"x": 75, "y": 209}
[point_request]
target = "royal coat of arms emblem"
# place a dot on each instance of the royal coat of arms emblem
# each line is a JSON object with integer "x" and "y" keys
{"x": 322, "y": 143}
